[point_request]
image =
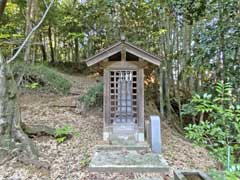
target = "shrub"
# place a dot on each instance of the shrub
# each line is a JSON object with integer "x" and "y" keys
{"x": 40, "y": 76}
{"x": 219, "y": 124}
{"x": 90, "y": 99}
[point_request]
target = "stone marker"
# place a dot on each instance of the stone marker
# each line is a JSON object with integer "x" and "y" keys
{"x": 155, "y": 133}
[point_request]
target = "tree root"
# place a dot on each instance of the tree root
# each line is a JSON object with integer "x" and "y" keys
{"x": 38, "y": 130}
{"x": 5, "y": 156}
{"x": 22, "y": 147}
{"x": 23, "y": 158}
{"x": 35, "y": 130}
{"x": 34, "y": 162}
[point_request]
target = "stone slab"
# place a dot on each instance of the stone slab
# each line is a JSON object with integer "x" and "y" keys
{"x": 138, "y": 146}
{"x": 160, "y": 178}
{"x": 123, "y": 139}
{"x": 127, "y": 161}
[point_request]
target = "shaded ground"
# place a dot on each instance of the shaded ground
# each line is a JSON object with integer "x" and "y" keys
{"x": 68, "y": 160}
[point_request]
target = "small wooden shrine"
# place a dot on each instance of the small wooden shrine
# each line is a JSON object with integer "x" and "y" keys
{"x": 123, "y": 65}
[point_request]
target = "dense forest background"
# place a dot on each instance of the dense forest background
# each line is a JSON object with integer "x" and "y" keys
{"x": 198, "y": 82}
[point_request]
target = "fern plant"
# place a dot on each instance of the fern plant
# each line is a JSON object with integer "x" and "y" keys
{"x": 61, "y": 134}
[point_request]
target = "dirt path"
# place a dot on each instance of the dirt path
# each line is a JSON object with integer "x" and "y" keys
{"x": 68, "y": 160}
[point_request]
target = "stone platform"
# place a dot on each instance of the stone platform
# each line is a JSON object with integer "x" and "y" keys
{"x": 127, "y": 160}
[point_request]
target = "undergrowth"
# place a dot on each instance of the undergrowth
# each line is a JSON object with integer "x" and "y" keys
{"x": 218, "y": 128}
{"x": 40, "y": 77}
{"x": 65, "y": 132}
{"x": 93, "y": 97}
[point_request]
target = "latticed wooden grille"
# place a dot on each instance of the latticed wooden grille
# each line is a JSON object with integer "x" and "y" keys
{"x": 123, "y": 96}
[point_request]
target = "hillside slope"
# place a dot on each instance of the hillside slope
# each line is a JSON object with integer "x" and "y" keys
{"x": 69, "y": 159}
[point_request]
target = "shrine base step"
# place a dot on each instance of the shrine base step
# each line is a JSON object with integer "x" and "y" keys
{"x": 127, "y": 161}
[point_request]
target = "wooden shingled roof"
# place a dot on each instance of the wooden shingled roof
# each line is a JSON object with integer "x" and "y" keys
{"x": 117, "y": 47}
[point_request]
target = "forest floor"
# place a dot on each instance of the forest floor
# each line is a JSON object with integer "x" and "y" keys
{"x": 69, "y": 159}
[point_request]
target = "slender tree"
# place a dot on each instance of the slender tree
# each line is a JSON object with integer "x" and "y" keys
{"x": 13, "y": 140}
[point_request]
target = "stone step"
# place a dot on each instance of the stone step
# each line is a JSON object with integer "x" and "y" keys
{"x": 127, "y": 161}
{"x": 123, "y": 139}
{"x": 153, "y": 178}
{"x": 124, "y": 130}
{"x": 137, "y": 146}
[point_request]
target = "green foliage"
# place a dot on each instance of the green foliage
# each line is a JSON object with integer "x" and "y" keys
{"x": 61, "y": 134}
{"x": 225, "y": 175}
{"x": 191, "y": 10}
{"x": 216, "y": 175}
{"x": 235, "y": 168}
{"x": 32, "y": 85}
{"x": 12, "y": 25}
{"x": 221, "y": 124}
{"x": 36, "y": 76}
{"x": 90, "y": 99}
{"x": 232, "y": 175}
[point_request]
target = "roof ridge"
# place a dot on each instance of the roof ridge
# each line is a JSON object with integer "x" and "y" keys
{"x": 116, "y": 47}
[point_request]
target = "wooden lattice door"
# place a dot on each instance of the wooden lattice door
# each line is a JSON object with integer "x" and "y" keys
{"x": 123, "y": 97}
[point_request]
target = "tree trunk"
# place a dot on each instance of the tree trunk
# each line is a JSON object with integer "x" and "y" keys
{"x": 2, "y": 6}
{"x": 51, "y": 44}
{"x": 68, "y": 53}
{"x": 167, "y": 91}
{"x": 12, "y": 137}
{"x": 55, "y": 46}
{"x": 42, "y": 46}
{"x": 76, "y": 50}
{"x": 221, "y": 42}
{"x": 30, "y": 18}
{"x": 28, "y": 29}
{"x": 161, "y": 92}
{"x": 178, "y": 69}
{"x": 34, "y": 54}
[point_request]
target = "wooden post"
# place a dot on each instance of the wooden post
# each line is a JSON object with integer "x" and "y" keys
{"x": 123, "y": 54}
{"x": 106, "y": 106}
{"x": 140, "y": 98}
